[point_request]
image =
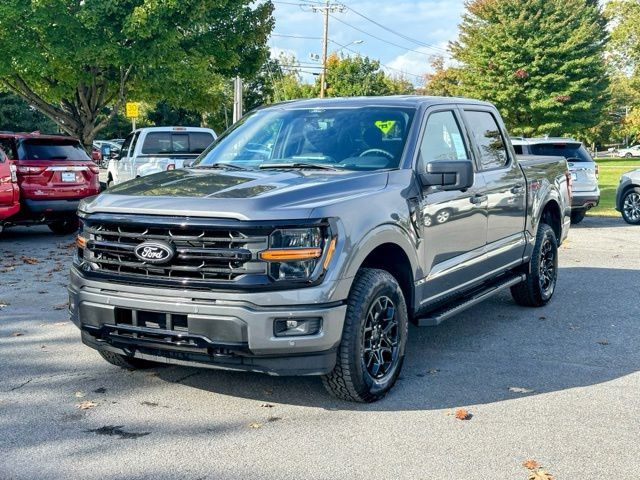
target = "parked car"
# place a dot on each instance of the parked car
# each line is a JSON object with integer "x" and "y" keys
{"x": 54, "y": 172}
{"x": 628, "y": 197}
{"x": 629, "y": 152}
{"x": 298, "y": 243}
{"x": 96, "y": 155}
{"x": 9, "y": 190}
{"x": 157, "y": 149}
{"x": 584, "y": 170}
{"x": 108, "y": 150}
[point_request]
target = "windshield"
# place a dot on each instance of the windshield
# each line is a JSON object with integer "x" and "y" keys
{"x": 53, "y": 150}
{"x": 574, "y": 151}
{"x": 367, "y": 138}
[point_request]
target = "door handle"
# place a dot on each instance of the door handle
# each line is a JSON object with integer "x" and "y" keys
{"x": 478, "y": 199}
{"x": 517, "y": 189}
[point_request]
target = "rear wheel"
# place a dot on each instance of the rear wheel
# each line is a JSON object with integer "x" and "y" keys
{"x": 631, "y": 206}
{"x": 65, "y": 227}
{"x": 123, "y": 361}
{"x": 540, "y": 282}
{"x": 628, "y": 155}
{"x": 371, "y": 353}
{"x": 577, "y": 217}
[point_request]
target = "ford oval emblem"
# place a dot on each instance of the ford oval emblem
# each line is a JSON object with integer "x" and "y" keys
{"x": 154, "y": 252}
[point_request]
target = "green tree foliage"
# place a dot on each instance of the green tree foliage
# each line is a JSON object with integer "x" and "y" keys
{"x": 442, "y": 81}
{"x": 16, "y": 115}
{"x": 166, "y": 114}
{"x": 356, "y": 76}
{"x": 540, "y": 61}
{"x": 72, "y": 58}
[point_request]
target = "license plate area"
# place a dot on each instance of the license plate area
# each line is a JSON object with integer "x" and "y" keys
{"x": 68, "y": 176}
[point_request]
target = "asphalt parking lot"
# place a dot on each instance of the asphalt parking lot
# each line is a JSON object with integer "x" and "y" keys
{"x": 558, "y": 385}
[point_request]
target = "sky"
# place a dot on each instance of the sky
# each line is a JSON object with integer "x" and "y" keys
{"x": 430, "y": 22}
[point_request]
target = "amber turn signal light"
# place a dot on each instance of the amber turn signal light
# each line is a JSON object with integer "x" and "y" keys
{"x": 81, "y": 242}
{"x": 290, "y": 254}
{"x": 330, "y": 250}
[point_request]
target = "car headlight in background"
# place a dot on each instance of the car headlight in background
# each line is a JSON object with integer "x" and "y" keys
{"x": 294, "y": 253}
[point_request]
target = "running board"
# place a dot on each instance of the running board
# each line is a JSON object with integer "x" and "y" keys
{"x": 436, "y": 317}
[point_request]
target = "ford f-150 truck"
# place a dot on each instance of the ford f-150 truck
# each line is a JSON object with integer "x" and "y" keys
{"x": 304, "y": 240}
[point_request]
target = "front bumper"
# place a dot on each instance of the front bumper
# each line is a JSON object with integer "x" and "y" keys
{"x": 216, "y": 329}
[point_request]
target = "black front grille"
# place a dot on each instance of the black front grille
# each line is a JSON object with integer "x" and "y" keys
{"x": 202, "y": 253}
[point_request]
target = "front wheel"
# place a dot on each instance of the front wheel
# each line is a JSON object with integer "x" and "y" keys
{"x": 65, "y": 227}
{"x": 631, "y": 206}
{"x": 374, "y": 338}
{"x": 540, "y": 282}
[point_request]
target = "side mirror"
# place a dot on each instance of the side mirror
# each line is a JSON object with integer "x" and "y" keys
{"x": 450, "y": 175}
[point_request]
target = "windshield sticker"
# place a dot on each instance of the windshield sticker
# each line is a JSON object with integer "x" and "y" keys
{"x": 385, "y": 125}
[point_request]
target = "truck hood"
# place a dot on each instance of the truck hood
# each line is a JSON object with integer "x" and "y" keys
{"x": 243, "y": 195}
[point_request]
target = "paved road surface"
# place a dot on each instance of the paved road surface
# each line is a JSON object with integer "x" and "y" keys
{"x": 579, "y": 357}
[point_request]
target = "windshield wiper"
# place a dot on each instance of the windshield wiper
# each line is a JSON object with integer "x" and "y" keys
{"x": 317, "y": 166}
{"x": 230, "y": 166}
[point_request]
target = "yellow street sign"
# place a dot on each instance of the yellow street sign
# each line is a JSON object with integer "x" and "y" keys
{"x": 131, "y": 110}
{"x": 385, "y": 126}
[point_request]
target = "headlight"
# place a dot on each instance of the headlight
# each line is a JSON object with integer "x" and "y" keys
{"x": 295, "y": 253}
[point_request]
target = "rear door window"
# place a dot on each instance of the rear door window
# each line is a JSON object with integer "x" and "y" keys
{"x": 9, "y": 147}
{"x": 44, "y": 149}
{"x": 157, "y": 143}
{"x": 486, "y": 132}
{"x": 571, "y": 151}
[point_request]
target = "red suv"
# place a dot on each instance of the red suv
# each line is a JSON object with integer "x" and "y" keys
{"x": 54, "y": 173}
{"x": 9, "y": 191}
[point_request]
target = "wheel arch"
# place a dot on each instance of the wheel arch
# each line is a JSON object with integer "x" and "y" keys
{"x": 552, "y": 215}
{"x": 388, "y": 248}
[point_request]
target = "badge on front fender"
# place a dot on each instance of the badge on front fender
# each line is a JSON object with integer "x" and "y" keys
{"x": 155, "y": 252}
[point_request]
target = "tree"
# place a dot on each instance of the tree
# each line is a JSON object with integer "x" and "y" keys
{"x": 355, "y": 76}
{"x": 166, "y": 114}
{"x": 70, "y": 59}
{"x": 16, "y": 115}
{"x": 540, "y": 61}
{"x": 442, "y": 81}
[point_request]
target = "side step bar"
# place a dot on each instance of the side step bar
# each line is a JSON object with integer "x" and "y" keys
{"x": 436, "y": 317}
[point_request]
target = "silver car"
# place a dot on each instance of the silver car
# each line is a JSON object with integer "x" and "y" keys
{"x": 584, "y": 170}
{"x": 628, "y": 197}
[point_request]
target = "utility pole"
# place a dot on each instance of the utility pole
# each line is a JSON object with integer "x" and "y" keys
{"x": 237, "y": 99}
{"x": 326, "y": 9}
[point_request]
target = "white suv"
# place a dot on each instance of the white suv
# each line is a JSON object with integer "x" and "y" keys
{"x": 629, "y": 152}
{"x": 584, "y": 170}
{"x": 157, "y": 149}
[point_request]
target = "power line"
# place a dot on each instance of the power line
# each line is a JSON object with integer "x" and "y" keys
{"x": 401, "y": 35}
{"x": 387, "y": 41}
{"x": 303, "y": 37}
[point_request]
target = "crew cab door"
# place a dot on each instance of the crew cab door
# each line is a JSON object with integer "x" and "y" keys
{"x": 453, "y": 224}
{"x": 505, "y": 188}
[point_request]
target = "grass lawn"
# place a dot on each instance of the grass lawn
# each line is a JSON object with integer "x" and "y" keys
{"x": 610, "y": 171}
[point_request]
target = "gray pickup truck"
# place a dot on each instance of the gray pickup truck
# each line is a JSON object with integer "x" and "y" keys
{"x": 305, "y": 239}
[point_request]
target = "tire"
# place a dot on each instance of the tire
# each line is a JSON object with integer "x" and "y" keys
{"x": 577, "y": 217}
{"x": 374, "y": 338}
{"x": 65, "y": 227}
{"x": 628, "y": 155}
{"x": 123, "y": 361}
{"x": 631, "y": 206}
{"x": 540, "y": 283}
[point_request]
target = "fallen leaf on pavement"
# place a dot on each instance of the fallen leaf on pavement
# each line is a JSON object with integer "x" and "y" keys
{"x": 87, "y": 404}
{"x": 80, "y": 394}
{"x": 29, "y": 260}
{"x": 520, "y": 390}
{"x": 463, "y": 414}
{"x": 274, "y": 419}
{"x": 3, "y": 304}
{"x": 541, "y": 475}
{"x": 7, "y": 269}
{"x": 60, "y": 324}
{"x": 17, "y": 334}
{"x": 255, "y": 425}
{"x": 61, "y": 306}
{"x": 603, "y": 342}
{"x": 542, "y": 318}
{"x": 266, "y": 405}
{"x": 433, "y": 371}
{"x": 531, "y": 464}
